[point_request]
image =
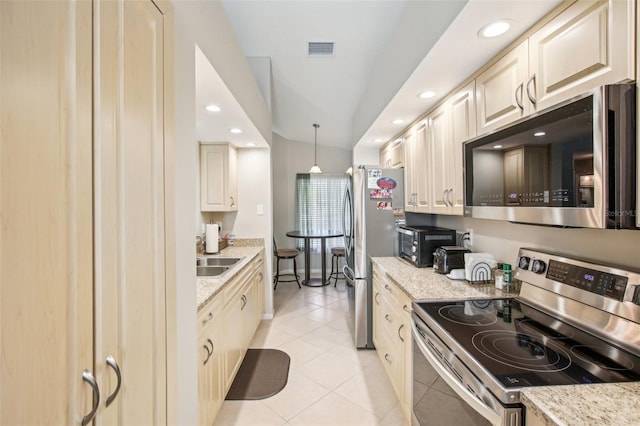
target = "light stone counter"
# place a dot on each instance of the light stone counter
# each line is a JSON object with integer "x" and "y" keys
{"x": 598, "y": 404}
{"x": 426, "y": 284}
{"x": 613, "y": 404}
{"x": 208, "y": 287}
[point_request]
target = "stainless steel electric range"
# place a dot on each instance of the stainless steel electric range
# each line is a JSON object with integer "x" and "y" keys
{"x": 574, "y": 322}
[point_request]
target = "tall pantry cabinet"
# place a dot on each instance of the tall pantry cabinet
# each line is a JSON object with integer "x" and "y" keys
{"x": 83, "y": 162}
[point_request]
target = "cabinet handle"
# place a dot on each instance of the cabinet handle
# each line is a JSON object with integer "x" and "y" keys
{"x": 406, "y": 308}
{"x": 88, "y": 377}
{"x": 243, "y": 299}
{"x": 376, "y": 298}
{"x": 520, "y": 89}
{"x": 208, "y": 318}
{"x": 209, "y": 352}
{"x": 388, "y": 318}
{"x": 399, "y": 335}
{"x": 387, "y": 358}
{"x": 206, "y": 348}
{"x": 233, "y": 202}
{"x": 387, "y": 287}
{"x": 111, "y": 362}
{"x": 529, "y": 95}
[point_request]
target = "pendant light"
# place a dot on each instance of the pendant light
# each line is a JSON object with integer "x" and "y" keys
{"x": 315, "y": 168}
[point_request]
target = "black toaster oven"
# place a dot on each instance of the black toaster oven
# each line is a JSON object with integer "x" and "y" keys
{"x": 417, "y": 243}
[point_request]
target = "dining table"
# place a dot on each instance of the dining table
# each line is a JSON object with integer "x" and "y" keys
{"x": 307, "y": 236}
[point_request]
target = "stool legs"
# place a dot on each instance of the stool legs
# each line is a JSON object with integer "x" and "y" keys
{"x": 276, "y": 277}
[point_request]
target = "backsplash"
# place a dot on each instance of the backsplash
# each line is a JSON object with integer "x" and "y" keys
{"x": 248, "y": 242}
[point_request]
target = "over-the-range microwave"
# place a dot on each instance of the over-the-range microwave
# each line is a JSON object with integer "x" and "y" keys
{"x": 571, "y": 165}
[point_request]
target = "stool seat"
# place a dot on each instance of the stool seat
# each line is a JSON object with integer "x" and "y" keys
{"x": 336, "y": 254}
{"x": 284, "y": 254}
{"x": 337, "y": 251}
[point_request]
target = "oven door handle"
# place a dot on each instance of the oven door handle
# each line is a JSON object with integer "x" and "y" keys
{"x": 451, "y": 380}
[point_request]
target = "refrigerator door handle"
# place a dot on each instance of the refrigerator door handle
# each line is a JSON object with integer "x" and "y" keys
{"x": 348, "y": 274}
{"x": 347, "y": 222}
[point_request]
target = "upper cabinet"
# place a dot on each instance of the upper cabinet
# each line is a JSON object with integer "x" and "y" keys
{"x": 218, "y": 178}
{"x": 449, "y": 126}
{"x": 500, "y": 90}
{"x": 392, "y": 155}
{"x": 585, "y": 46}
{"x": 416, "y": 156}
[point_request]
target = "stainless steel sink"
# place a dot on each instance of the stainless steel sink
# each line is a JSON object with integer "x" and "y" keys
{"x": 217, "y": 261}
{"x": 210, "y": 271}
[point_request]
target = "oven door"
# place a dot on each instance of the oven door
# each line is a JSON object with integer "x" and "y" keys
{"x": 445, "y": 392}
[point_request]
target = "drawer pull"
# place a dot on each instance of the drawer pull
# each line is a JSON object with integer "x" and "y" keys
{"x": 388, "y": 318}
{"x": 387, "y": 358}
{"x": 400, "y": 335}
{"x": 208, "y": 318}
{"x": 406, "y": 308}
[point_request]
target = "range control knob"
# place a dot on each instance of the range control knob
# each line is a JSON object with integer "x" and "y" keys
{"x": 523, "y": 263}
{"x": 538, "y": 266}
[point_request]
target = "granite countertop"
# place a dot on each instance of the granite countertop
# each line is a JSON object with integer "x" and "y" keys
{"x": 208, "y": 287}
{"x": 426, "y": 284}
{"x": 596, "y": 404}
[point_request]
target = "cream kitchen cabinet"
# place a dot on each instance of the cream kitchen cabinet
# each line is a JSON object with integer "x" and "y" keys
{"x": 416, "y": 154}
{"x": 392, "y": 155}
{"x": 450, "y": 126}
{"x": 218, "y": 178}
{"x": 589, "y": 44}
{"x": 392, "y": 335}
{"x": 226, "y": 325}
{"x": 84, "y": 150}
{"x": 500, "y": 90}
{"x": 211, "y": 380}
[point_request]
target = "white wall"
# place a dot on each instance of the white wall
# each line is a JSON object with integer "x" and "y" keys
{"x": 289, "y": 158}
{"x": 503, "y": 239}
{"x": 202, "y": 23}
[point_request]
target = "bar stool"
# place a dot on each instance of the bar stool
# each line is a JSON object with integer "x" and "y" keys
{"x": 336, "y": 254}
{"x": 283, "y": 254}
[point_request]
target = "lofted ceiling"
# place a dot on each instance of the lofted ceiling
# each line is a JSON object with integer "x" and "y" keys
{"x": 385, "y": 53}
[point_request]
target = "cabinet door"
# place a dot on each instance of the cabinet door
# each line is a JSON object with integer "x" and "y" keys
{"x": 210, "y": 364}
{"x": 421, "y": 173}
{"x": 589, "y": 44}
{"x": 218, "y": 178}
{"x": 463, "y": 128}
{"x": 129, "y": 207}
{"x": 500, "y": 90}
{"x": 410, "y": 160}
{"x": 46, "y": 271}
{"x": 440, "y": 160}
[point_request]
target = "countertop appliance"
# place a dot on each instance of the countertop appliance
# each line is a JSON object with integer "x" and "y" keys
{"x": 448, "y": 258}
{"x": 574, "y": 322}
{"x": 570, "y": 165}
{"x": 373, "y": 206}
{"x": 416, "y": 244}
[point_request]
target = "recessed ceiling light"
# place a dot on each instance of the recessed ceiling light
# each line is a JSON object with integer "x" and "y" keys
{"x": 495, "y": 29}
{"x": 538, "y": 134}
{"x": 497, "y": 146}
{"x": 378, "y": 140}
{"x": 397, "y": 121}
{"x": 426, "y": 95}
{"x": 235, "y": 130}
{"x": 212, "y": 108}
{"x": 251, "y": 144}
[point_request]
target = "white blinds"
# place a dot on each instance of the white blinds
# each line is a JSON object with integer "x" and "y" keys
{"x": 319, "y": 206}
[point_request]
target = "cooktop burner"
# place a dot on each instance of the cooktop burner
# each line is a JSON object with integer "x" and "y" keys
{"x": 522, "y": 346}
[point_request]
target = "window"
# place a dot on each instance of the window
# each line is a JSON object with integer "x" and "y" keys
{"x": 319, "y": 200}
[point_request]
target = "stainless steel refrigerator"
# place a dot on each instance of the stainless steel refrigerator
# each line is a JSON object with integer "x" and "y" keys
{"x": 373, "y": 205}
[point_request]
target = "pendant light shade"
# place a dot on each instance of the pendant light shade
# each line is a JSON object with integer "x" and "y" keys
{"x": 315, "y": 168}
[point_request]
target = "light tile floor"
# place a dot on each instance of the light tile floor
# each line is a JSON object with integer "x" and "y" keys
{"x": 330, "y": 381}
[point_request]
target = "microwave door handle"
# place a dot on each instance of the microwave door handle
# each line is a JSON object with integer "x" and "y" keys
{"x": 447, "y": 376}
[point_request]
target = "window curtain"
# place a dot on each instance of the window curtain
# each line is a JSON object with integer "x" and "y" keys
{"x": 318, "y": 204}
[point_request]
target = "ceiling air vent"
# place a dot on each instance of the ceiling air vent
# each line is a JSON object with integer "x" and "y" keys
{"x": 320, "y": 48}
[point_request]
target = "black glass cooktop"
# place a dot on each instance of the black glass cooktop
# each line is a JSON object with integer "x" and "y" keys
{"x": 522, "y": 346}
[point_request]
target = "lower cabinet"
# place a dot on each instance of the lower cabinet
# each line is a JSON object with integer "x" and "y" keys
{"x": 226, "y": 326}
{"x": 392, "y": 335}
